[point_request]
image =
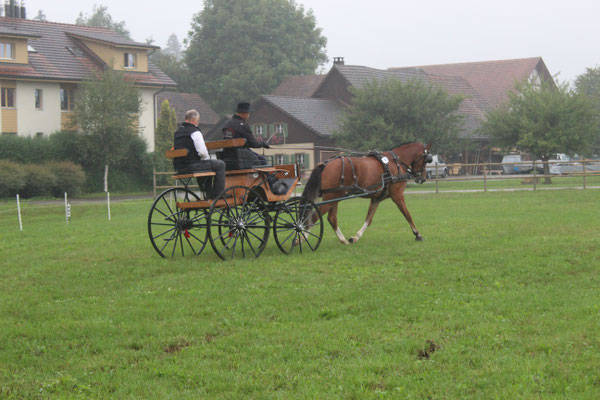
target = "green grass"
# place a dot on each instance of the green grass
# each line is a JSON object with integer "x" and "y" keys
{"x": 500, "y": 301}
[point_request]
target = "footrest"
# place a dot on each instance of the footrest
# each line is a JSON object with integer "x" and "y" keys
{"x": 194, "y": 175}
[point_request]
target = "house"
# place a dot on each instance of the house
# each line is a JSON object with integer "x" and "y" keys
{"x": 307, "y": 110}
{"x": 42, "y": 64}
{"x": 183, "y": 102}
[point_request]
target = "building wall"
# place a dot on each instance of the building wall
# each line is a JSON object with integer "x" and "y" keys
{"x": 9, "y": 115}
{"x": 30, "y": 120}
{"x": 147, "y": 117}
{"x": 114, "y": 56}
{"x": 21, "y": 54}
{"x": 334, "y": 87}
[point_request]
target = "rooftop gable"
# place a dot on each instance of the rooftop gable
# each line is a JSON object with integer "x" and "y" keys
{"x": 182, "y": 102}
{"x": 299, "y": 86}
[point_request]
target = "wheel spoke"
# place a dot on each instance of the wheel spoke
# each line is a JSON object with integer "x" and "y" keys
{"x": 164, "y": 233}
{"x": 249, "y": 243}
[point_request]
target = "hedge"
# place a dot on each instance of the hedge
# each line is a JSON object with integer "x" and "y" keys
{"x": 12, "y": 178}
{"x": 34, "y": 180}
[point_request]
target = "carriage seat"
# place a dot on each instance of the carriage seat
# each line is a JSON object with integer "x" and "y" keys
{"x": 238, "y": 158}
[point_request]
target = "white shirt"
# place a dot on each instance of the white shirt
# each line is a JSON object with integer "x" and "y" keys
{"x": 200, "y": 145}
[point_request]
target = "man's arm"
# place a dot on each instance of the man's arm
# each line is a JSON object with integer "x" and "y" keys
{"x": 200, "y": 145}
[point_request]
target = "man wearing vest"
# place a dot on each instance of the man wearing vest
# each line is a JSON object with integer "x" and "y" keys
{"x": 189, "y": 137}
{"x": 237, "y": 127}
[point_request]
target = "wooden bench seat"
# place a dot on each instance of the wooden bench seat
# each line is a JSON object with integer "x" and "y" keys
{"x": 194, "y": 175}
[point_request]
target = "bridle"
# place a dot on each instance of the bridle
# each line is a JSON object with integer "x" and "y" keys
{"x": 410, "y": 169}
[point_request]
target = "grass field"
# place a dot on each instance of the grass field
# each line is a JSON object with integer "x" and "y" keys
{"x": 500, "y": 301}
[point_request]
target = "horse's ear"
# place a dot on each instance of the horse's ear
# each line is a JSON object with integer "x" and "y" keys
{"x": 428, "y": 147}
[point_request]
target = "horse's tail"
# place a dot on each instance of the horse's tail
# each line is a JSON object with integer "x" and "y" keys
{"x": 312, "y": 190}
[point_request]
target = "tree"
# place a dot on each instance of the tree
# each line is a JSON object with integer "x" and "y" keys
{"x": 588, "y": 84}
{"x": 241, "y": 49}
{"x": 173, "y": 47}
{"x": 544, "y": 119}
{"x": 40, "y": 16}
{"x": 165, "y": 127}
{"x": 101, "y": 18}
{"x": 106, "y": 110}
{"x": 175, "y": 69}
{"x": 385, "y": 113}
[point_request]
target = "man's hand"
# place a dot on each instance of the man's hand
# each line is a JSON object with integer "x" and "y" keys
{"x": 266, "y": 146}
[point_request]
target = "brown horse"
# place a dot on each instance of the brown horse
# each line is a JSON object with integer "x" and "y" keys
{"x": 347, "y": 176}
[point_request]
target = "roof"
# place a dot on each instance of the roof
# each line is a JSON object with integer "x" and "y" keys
{"x": 299, "y": 86}
{"x": 61, "y": 55}
{"x": 491, "y": 79}
{"x": 322, "y": 116}
{"x": 182, "y": 102}
{"x": 358, "y": 75}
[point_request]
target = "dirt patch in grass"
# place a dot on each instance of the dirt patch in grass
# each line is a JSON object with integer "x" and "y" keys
{"x": 428, "y": 350}
{"x": 176, "y": 347}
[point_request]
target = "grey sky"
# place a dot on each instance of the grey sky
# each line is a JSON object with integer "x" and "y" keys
{"x": 389, "y": 33}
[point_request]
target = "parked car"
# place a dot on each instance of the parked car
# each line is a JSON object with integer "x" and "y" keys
{"x": 521, "y": 166}
{"x": 437, "y": 165}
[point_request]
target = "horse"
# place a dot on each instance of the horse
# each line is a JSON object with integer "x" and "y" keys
{"x": 376, "y": 176}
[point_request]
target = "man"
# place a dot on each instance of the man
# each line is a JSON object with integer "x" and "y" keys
{"x": 237, "y": 127}
{"x": 189, "y": 137}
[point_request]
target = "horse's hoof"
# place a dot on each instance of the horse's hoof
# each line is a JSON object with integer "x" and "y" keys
{"x": 419, "y": 238}
{"x": 352, "y": 240}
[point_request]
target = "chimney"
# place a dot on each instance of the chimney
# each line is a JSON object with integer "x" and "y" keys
{"x": 338, "y": 60}
{"x": 12, "y": 10}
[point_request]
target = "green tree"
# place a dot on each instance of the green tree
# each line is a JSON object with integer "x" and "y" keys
{"x": 174, "y": 68}
{"x": 100, "y": 18}
{"x": 239, "y": 49}
{"x": 165, "y": 127}
{"x": 173, "y": 47}
{"x": 106, "y": 110}
{"x": 544, "y": 119}
{"x": 588, "y": 84}
{"x": 385, "y": 113}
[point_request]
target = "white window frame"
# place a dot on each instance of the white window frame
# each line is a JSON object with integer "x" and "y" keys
{"x": 5, "y": 49}
{"x": 70, "y": 94}
{"x": 301, "y": 158}
{"x": 279, "y": 159}
{"x": 260, "y": 130}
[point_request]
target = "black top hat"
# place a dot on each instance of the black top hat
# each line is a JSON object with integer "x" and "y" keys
{"x": 243, "y": 107}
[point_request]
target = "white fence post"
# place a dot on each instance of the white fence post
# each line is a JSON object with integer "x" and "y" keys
{"x": 66, "y": 210}
{"x": 19, "y": 213}
{"x": 108, "y": 203}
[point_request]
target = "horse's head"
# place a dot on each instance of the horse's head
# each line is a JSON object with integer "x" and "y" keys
{"x": 414, "y": 158}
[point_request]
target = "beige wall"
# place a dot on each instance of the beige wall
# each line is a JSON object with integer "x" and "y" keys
{"x": 147, "y": 117}
{"x": 291, "y": 149}
{"x": 29, "y": 119}
{"x": 114, "y": 56}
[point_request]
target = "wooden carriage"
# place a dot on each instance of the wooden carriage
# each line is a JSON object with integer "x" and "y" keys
{"x": 238, "y": 222}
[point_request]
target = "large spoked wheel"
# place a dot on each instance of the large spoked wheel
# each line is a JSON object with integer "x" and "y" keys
{"x": 174, "y": 230}
{"x": 238, "y": 224}
{"x": 298, "y": 226}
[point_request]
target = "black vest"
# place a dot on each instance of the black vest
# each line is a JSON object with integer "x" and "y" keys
{"x": 183, "y": 140}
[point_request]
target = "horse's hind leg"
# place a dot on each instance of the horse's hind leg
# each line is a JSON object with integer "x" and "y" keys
{"x": 332, "y": 218}
{"x": 368, "y": 220}
{"x": 398, "y": 197}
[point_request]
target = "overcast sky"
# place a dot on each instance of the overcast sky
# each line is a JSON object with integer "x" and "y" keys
{"x": 392, "y": 33}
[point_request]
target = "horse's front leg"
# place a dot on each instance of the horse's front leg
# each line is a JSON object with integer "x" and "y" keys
{"x": 368, "y": 220}
{"x": 398, "y": 197}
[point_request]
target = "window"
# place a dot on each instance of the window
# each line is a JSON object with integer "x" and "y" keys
{"x": 130, "y": 60}
{"x": 300, "y": 158}
{"x": 278, "y": 128}
{"x": 38, "y": 99}
{"x": 259, "y": 130}
{"x": 66, "y": 99}
{"x": 7, "y": 50}
{"x": 8, "y": 97}
{"x": 280, "y": 158}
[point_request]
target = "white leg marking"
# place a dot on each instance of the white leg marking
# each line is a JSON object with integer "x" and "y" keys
{"x": 360, "y": 232}
{"x": 340, "y": 236}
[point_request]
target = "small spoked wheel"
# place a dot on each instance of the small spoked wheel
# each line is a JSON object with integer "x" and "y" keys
{"x": 239, "y": 223}
{"x": 298, "y": 226}
{"x": 175, "y": 228}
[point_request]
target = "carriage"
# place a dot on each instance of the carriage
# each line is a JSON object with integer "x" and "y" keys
{"x": 238, "y": 223}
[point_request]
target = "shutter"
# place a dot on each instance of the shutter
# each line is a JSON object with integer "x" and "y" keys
{"x": 253, "y": 128}
{"x": 306, "y": 161}
{"x": 271, "y": 130}
{"x": 293, "y": 158}
{"x": 286, "y": 158}
{"x": 285, "y": 131}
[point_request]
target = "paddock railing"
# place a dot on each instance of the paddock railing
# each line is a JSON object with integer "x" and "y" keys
{"x": 486, "y": 173}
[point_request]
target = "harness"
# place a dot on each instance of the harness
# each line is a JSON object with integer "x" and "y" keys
{"x": 387, "y": 178}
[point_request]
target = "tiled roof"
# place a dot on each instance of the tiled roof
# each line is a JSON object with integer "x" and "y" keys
{"x": 491, "y": 79}
{"x": 5, "y": 30}
{"x": 114, "y": 39}
{"x": 183, "y": 102}
{"x": 60, "y": 55}
{"x": 299, "y": 86}
{"x": 320, "y": 115}
{"x": 358, "y": 75}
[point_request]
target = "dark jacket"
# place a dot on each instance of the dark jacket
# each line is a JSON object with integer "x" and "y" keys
{"x": 236, "y": 128}
{"x": 183, "y": 140}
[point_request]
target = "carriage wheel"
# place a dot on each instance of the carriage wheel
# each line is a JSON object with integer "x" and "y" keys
{"x": 238, "y": 224}
{"x": 173, "y": 230}
{"x": 298, "y": 226}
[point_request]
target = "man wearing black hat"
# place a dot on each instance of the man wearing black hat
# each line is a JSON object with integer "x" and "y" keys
{"x": 237, "y": 127}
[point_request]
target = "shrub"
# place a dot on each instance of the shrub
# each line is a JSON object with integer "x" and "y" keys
{"x": 69, "y": 178}
{"x": 12, "y": 178}
{"x": 39, "y": 181}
